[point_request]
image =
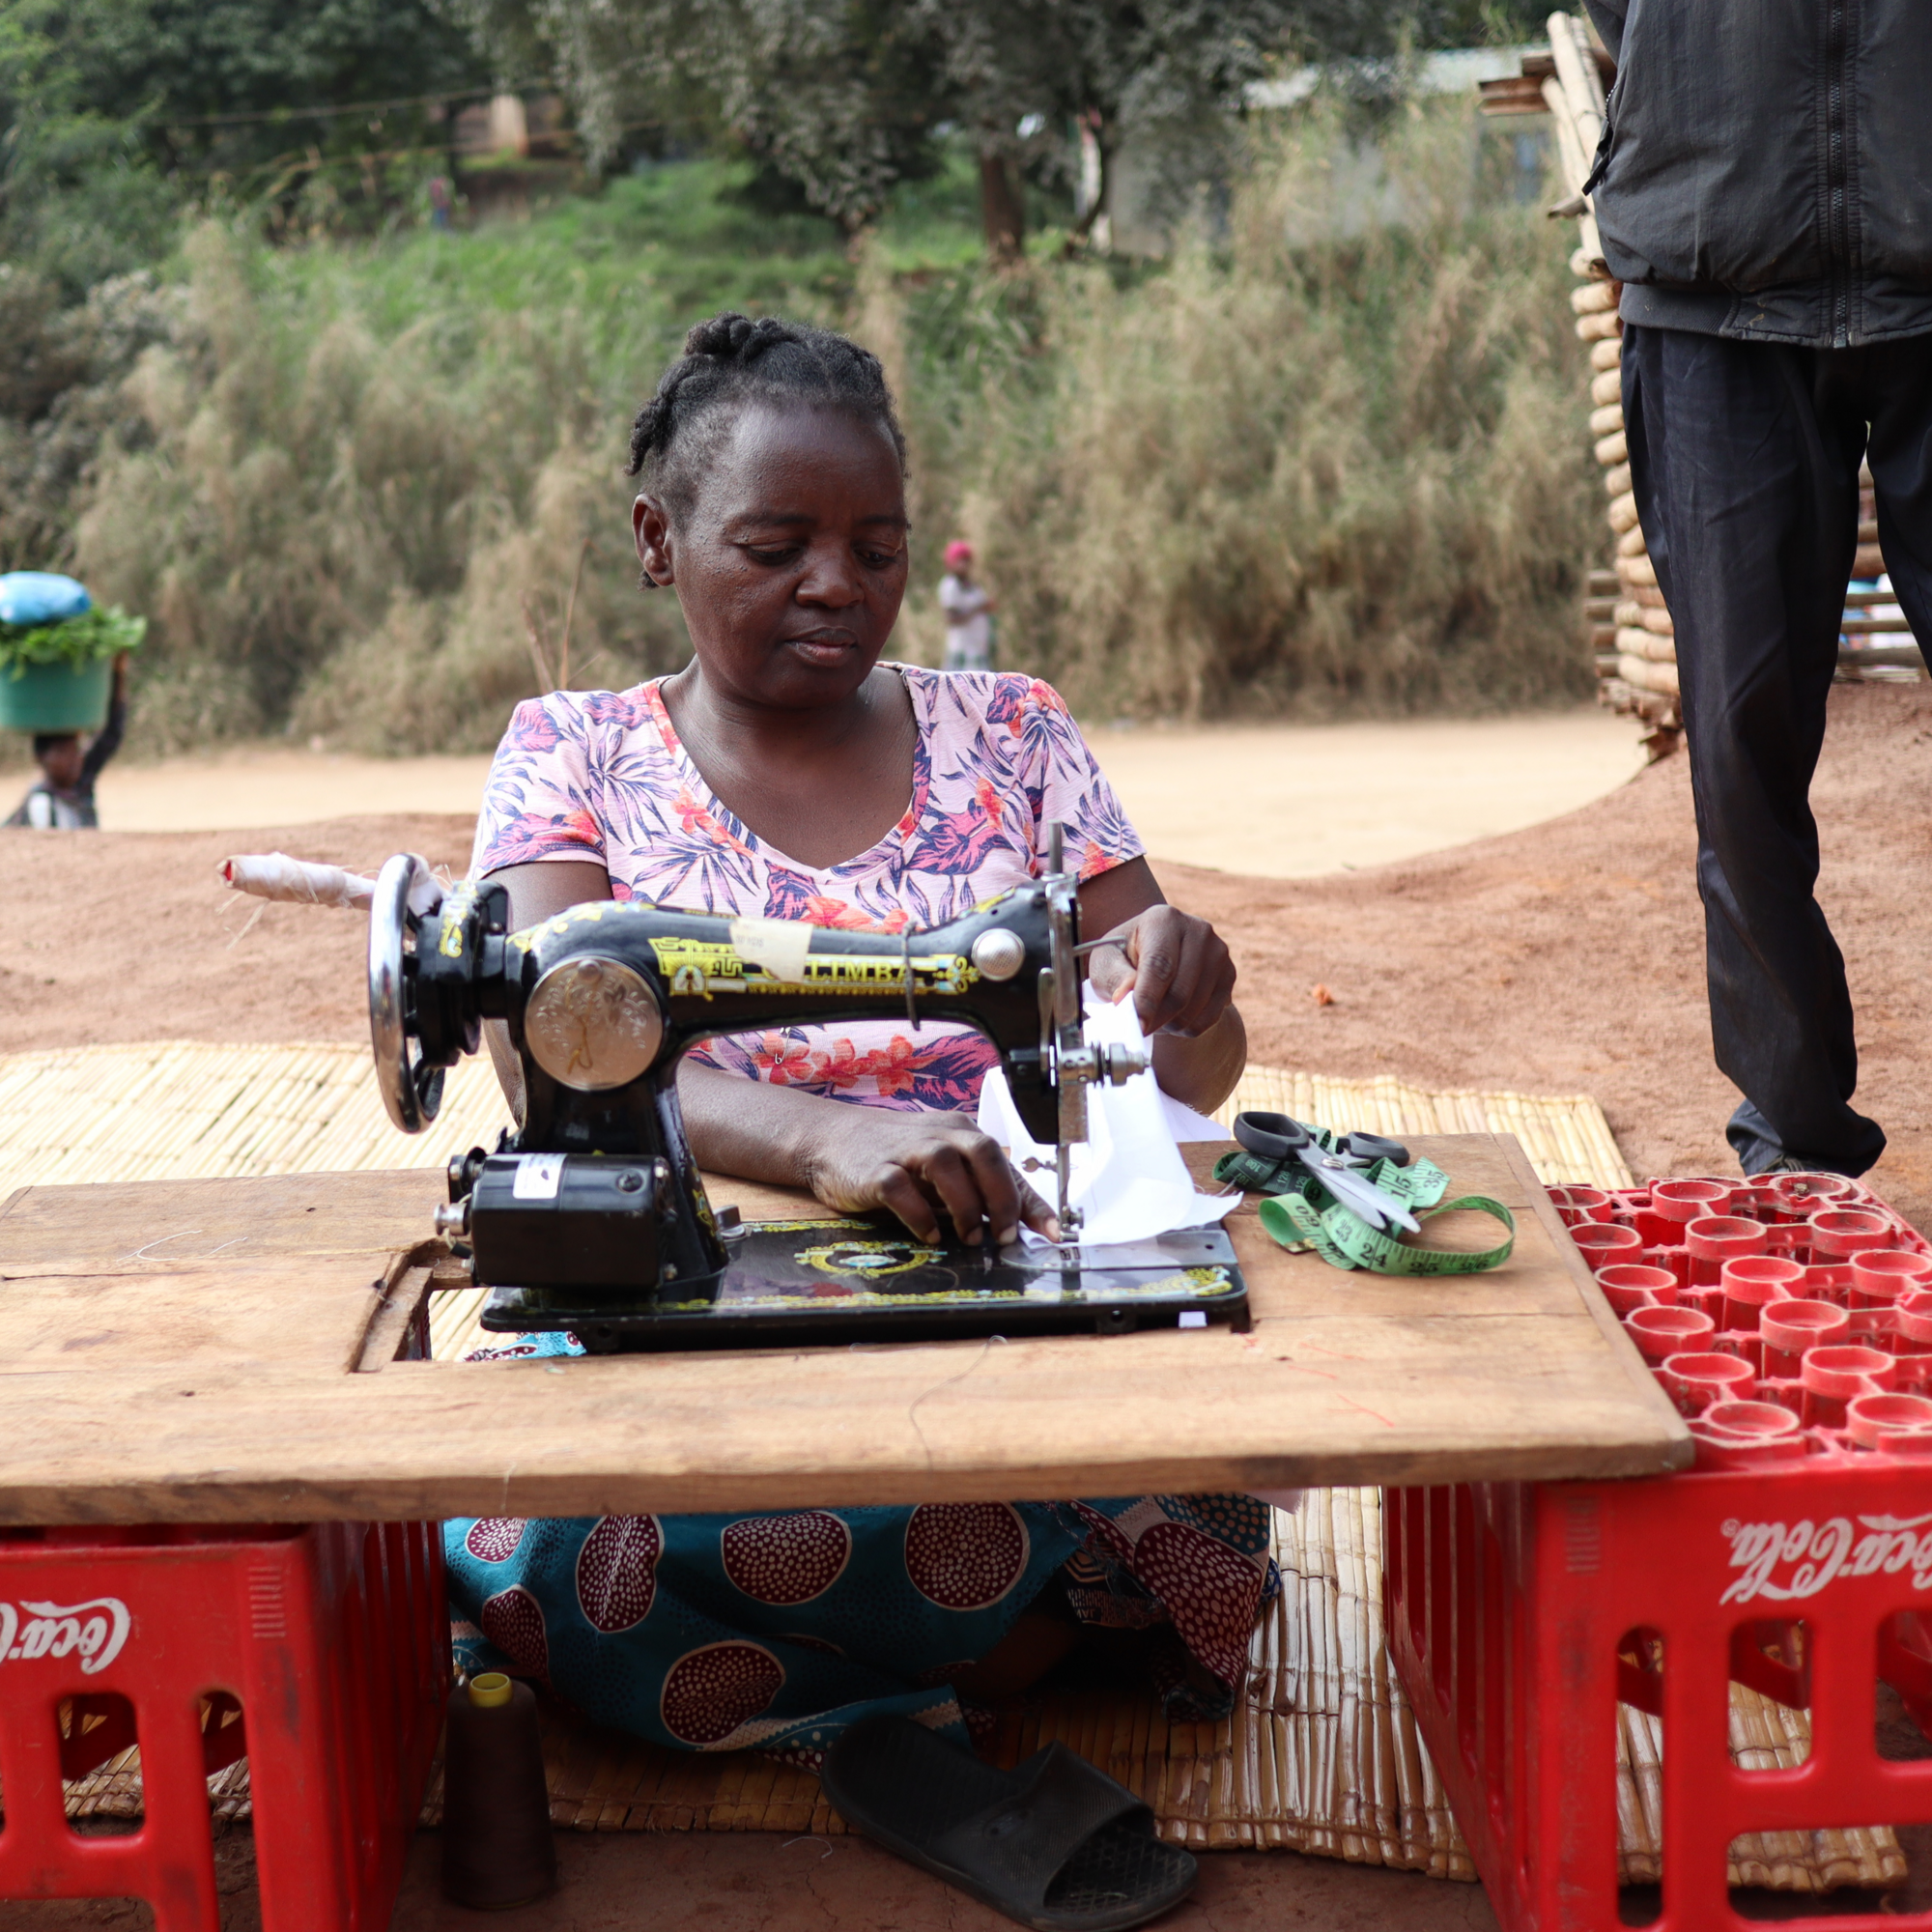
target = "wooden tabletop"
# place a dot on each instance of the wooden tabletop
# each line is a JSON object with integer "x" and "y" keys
{"x": 221, "y": 1350}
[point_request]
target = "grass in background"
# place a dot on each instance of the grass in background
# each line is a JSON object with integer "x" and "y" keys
{"x": 353, "y": 468}
{"x": 1345, "y": 477}
{"x": 636, "y": 263}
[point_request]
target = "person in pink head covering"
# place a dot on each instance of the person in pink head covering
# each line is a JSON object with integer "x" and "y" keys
{"x": 968, "y": 612}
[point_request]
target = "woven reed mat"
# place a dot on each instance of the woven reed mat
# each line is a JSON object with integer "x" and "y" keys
{"x": 1568, "y": 1141}
{"x": 1322, "y": 1753}
{"x": 181, "y": 1111}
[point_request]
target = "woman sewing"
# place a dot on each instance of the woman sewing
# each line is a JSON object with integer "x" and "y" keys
{"x": 789, "y": 771}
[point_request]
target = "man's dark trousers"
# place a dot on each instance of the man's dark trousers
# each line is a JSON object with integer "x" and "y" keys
{"x": 1745, "y": 460}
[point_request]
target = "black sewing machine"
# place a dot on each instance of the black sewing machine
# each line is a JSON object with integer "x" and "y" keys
{"x": 593, "y": 1218}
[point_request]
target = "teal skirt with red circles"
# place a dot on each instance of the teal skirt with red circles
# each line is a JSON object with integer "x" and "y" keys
{"x": 776, "y": 1630}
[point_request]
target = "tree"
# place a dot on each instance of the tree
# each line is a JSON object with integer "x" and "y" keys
{"x": 1019, "y": 75}
{"x": 846, "y": 97}
{"x": 1171, "y": 74}
{"x": 839, "y": 96}
{"x": 131, "y": 105}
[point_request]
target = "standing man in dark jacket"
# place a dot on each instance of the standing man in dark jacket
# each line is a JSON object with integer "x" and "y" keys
{"x": 1764, "y": 193}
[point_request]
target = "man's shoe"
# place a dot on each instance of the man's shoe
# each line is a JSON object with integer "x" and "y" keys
{"x": 1789, "y": 1164}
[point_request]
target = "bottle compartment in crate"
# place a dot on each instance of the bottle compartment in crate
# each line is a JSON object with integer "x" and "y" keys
{"x": 1788, "y": 1317}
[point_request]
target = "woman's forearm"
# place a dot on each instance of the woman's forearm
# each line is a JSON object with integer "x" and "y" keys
{"x": 757, "y": 1132}
{"x": 748, "y": 1128}
{"x": 1202, "y": 1072}
{"x": 508, "y": 1068}
{"x": 1179, "y": 974}
{"x": 751, "y": 1128}
{"x": 929, "y": 1168}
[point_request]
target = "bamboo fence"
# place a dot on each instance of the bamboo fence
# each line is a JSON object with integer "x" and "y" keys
{"x": 1565, "y": 1137}
{"x": 180, "y": 1111}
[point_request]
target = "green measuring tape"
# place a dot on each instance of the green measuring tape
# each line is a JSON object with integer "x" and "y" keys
{"x": 1300, "y": 1213}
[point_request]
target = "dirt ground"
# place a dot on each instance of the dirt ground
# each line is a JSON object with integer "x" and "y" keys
{"x": 1565, "y": 957}
{"x": 759, "y": 1882}
{"x": 1312, "y": 798}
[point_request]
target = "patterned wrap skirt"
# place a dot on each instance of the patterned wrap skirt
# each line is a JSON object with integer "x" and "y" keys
{"x": 722, "y": 1631}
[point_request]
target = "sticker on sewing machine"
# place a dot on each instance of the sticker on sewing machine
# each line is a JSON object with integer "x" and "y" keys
{"x": 866, "y": 1259}
{"x": 778, "y": 945}
{"x": 538, "y": 1176}
{"x": 695, "y": 966}
{"x": 457, "y": 905}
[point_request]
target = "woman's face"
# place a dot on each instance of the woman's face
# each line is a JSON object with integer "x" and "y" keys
{"x": 791, "y": 564}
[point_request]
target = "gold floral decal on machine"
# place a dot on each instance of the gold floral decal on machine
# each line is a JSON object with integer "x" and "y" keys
{"x": 703, "y": 967}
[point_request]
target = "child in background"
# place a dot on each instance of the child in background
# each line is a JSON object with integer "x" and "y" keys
{"x": 62, "y": 800}
{"x": 969, "y": 622}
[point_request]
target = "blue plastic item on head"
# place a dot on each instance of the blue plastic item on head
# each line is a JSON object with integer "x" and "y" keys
{"x": 41, "y": 597}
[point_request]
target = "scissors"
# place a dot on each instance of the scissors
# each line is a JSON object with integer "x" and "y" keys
{"x": 1277, "y": 1137}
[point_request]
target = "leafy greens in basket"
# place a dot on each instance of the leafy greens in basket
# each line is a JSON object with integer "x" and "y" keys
{"x": 73, "y": 640}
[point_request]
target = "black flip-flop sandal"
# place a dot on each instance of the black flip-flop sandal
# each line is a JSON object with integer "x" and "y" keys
{"x": 1054, "y": 1843}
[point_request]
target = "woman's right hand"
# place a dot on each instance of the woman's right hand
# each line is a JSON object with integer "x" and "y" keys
{"x": 923, "y": 1166}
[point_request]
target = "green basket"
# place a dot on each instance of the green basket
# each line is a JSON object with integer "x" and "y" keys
{"x": 55, "y": 697}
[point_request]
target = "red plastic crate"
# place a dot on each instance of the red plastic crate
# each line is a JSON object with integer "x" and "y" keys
{"x": 331, "y": 1641}
{"x": 1800, "y": 1564}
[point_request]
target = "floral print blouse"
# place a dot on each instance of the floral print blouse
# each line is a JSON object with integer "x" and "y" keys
{"x": 602, "y": 776}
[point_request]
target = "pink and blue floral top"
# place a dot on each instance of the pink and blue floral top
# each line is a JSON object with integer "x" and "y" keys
{"x": 602, "y": 776}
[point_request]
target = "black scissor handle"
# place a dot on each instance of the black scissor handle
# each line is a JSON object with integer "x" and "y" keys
{"x": 1273, "y": 1136}
{"x": 1371, "y": 1148}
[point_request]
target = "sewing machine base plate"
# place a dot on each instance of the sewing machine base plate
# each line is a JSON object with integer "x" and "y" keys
{"x": 792, "y": 1284}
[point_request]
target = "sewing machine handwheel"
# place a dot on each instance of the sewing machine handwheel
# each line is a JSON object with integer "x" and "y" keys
{"x": 411, "y": 1092}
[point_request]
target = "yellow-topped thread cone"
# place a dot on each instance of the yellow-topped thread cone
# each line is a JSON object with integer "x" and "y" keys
{"x": 497, "y": 1846}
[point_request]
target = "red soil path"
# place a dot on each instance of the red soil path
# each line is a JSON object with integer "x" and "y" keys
{"x": 1564, "y": 958}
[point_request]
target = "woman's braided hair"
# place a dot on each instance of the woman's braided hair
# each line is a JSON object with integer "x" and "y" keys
{"x": 731, "y": 362}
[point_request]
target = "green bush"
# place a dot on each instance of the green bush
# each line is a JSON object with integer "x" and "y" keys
{"x": 1343, "y": 477}
{"x": 336, "y": 531}
{"x": 1269, "y": 476}
{"x": 63, "y": 393}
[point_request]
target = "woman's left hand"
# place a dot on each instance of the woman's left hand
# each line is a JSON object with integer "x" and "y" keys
{"x": 1177, "y": 968}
